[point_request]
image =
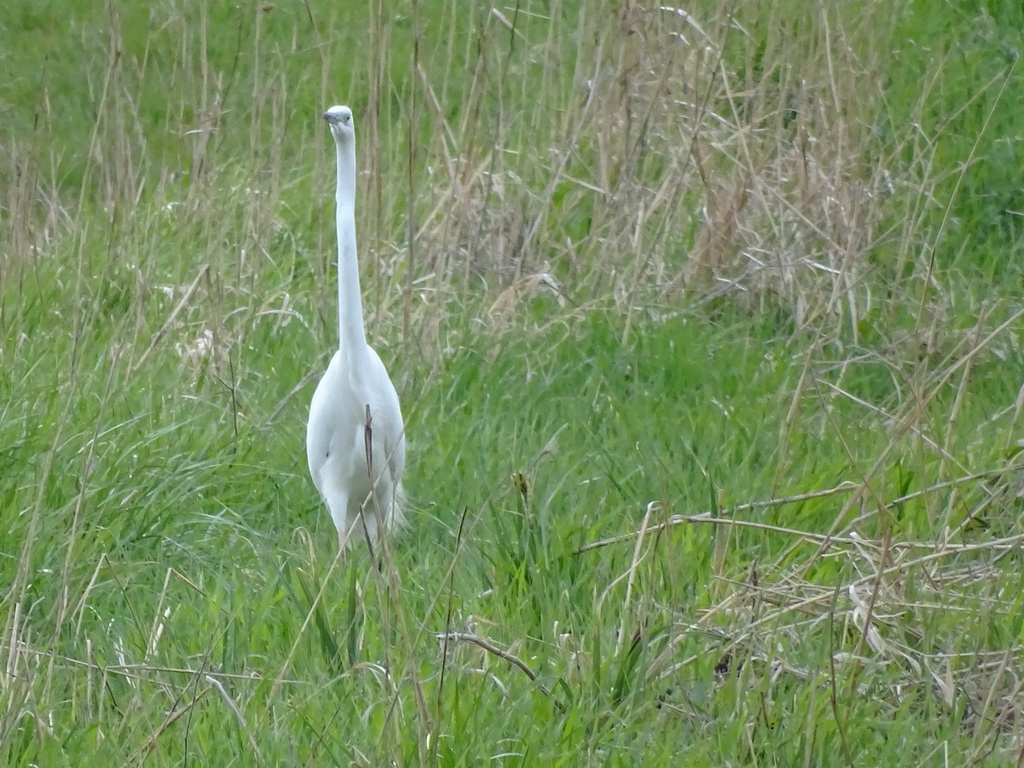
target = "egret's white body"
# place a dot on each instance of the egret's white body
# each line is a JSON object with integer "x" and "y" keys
{"x": 355, "y": 413}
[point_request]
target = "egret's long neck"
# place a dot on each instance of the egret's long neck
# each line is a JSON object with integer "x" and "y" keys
{"x": 350, "y": 303}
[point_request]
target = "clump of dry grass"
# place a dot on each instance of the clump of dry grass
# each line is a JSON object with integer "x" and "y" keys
{"x": 674, "y": 161}
{"x": 887, "y": 613}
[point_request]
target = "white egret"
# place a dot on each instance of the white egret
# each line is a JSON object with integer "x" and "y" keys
{"x": 355, "y": 438}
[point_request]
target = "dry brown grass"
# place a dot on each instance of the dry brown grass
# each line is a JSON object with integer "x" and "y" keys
{"x": 765, "y": 623}
{"x": 670, "y": 167}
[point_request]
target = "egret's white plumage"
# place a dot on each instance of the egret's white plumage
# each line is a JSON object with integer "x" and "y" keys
{"x": 339, "y": 435}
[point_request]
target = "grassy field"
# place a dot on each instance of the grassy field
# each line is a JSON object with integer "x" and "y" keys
{"x": 707, "y": 325}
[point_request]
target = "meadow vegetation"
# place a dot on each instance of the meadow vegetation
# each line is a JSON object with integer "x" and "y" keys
{"x": 707, "y": 322}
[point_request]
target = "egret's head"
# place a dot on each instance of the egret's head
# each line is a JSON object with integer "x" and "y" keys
{"x": 340, "y": 120}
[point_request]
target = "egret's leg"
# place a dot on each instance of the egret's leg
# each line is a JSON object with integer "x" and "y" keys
{"x": 341, "y": 543}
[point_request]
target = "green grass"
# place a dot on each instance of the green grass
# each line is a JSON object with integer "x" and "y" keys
{"x": 710, "y": 352}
